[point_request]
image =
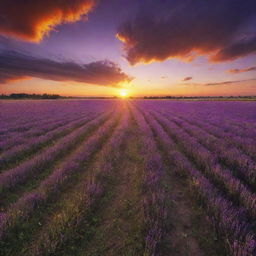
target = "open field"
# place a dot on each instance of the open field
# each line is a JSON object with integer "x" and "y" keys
{"x": 127, "y": 177}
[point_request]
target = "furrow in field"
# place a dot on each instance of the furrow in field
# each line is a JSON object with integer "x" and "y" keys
{"x": 51, "y": 188}
{"x": 69, "y": 224}
{"x": 119, "y": 222}
{"x": 230, "y": 220}
{"x": 20, "y": 174}
{"x": 208, "y": 162}
{"x": 16, "y": 155}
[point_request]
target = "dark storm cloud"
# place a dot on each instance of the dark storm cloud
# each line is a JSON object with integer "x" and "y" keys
{"x": 32, "y": 19}
{"x": 236, "y": 50}
{"x": 15, "y": 66}
{"x": 242, "y": 70}
{"x": 187, "y": 78}
{"x": 184, "y": 29}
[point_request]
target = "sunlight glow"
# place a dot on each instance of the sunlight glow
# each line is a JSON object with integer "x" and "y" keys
{"x": 124, "y": 93}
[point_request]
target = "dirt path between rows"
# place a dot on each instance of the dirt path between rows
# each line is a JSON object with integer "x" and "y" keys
{"x": 121, "y": 219}
{"x": 188, "y": 232}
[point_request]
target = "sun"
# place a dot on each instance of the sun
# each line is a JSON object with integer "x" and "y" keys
{"x": 124, "y": 93}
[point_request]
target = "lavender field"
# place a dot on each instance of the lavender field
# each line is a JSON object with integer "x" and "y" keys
{"x": 127, "y": 177}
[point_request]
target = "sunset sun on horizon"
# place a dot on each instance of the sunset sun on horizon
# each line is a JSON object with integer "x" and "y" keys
{"x": 124, "y": 93}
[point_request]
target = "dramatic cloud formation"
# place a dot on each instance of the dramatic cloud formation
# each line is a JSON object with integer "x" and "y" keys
{"x": 33, "y": 19}
{"x": 238, "y": 49}
{"x": 187, "y": 78}
{"x": 242, "y": 70}
{"x": 14, "y": 66}
{"x": 223, "y": 30}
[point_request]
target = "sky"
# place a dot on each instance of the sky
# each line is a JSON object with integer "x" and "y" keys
{"x": 148, "y": 47}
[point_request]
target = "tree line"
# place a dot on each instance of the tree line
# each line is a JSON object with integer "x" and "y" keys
{"x": 30, "y": 96}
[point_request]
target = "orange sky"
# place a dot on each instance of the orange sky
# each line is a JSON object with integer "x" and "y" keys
{"x": 74, "y": 50}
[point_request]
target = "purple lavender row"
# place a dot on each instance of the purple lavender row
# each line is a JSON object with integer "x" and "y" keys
{"x": 212, "y": 123}
{"x": 242, "y": 115}
{"x": 18, "y": 138}
{"x": 236, "y": 127}
{"x": 32, "y": 114}
{"x": 15, "y": 114}
{"x": 36, "y": 143}
{"x": 27, "y": 123}
{"x": 229, "y": 155}
{"x": 35, "y": 124}
{"x": 246, "y": 144}
{"x": 19, "y": 125}
{"x": 31, "y": 125}
{"x": 231, "y": 126}
{"x": 208, "y": 161}
{"x": 231, "y": 221}
{"x": 29, "y": 202}
{"x": 191, "y": 112}
{"x": 39, "y": 162}
{"x": 85, "y": 197}
{"x": 154, "y": 197}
